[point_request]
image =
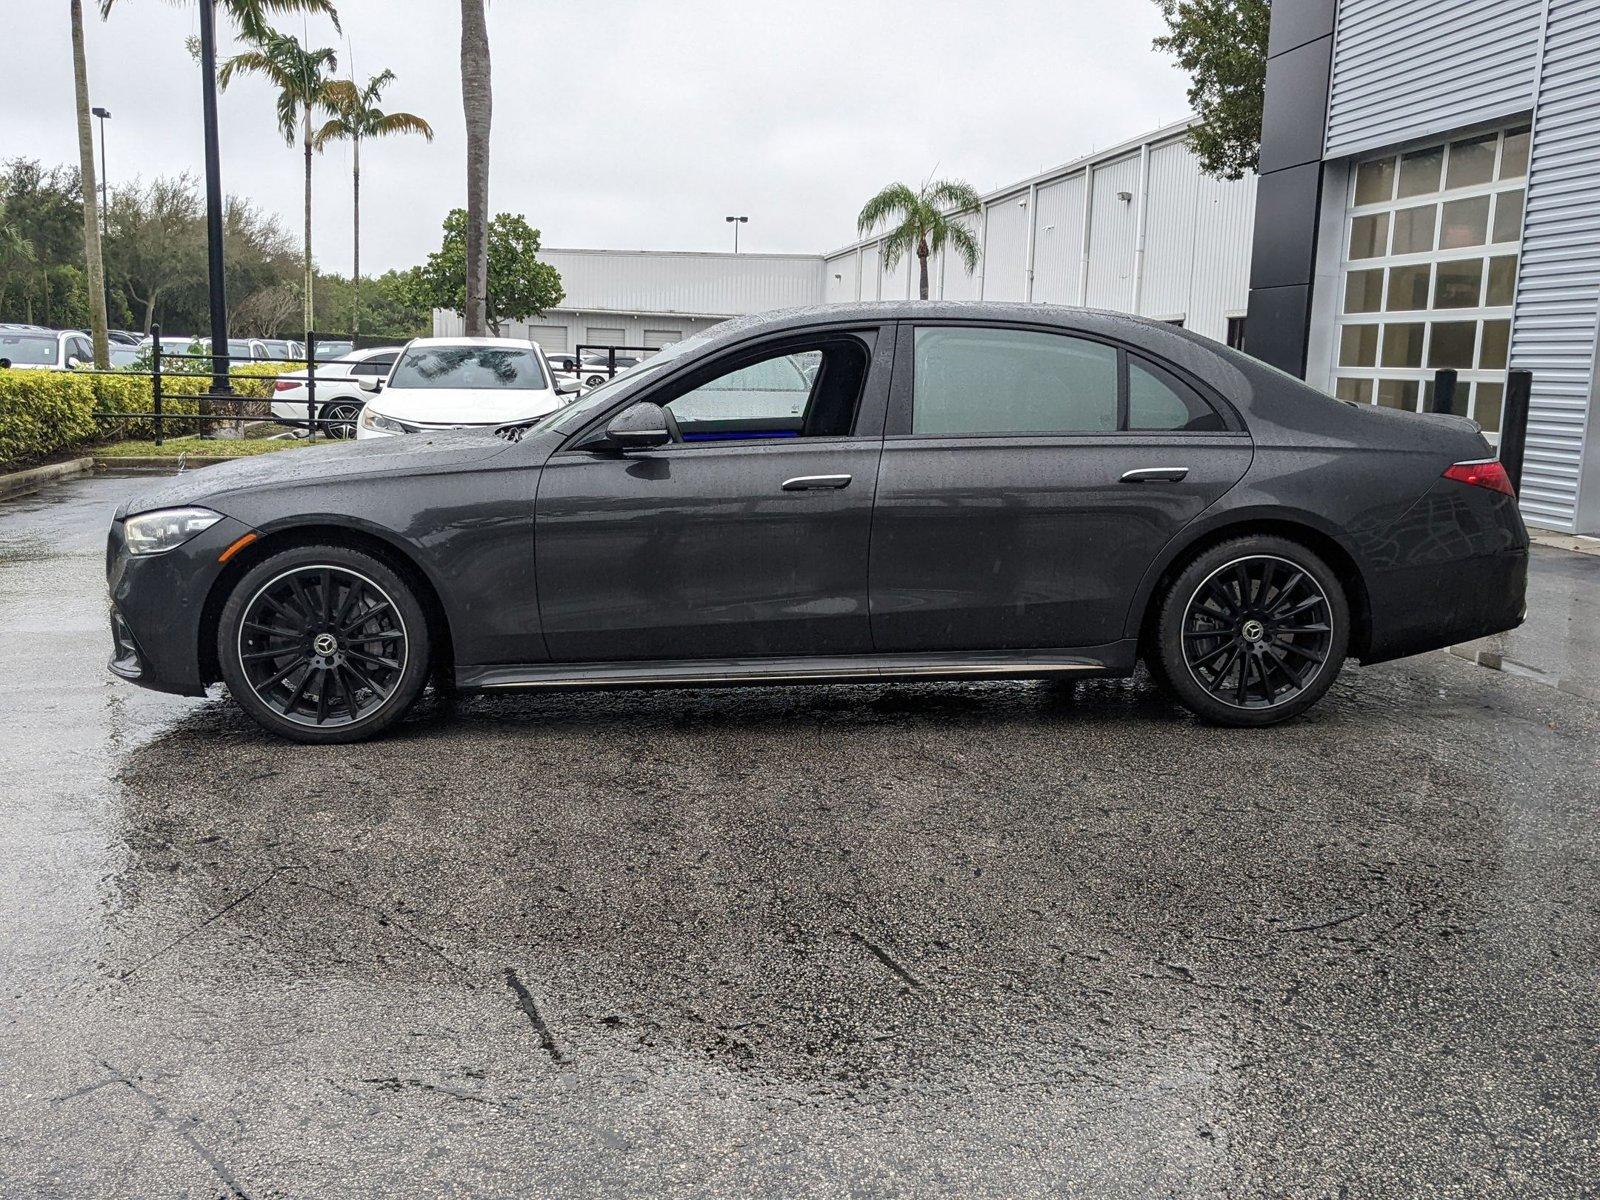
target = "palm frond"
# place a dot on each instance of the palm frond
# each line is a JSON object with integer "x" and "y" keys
{"x": 953, "y": 194}
{"x": 894, "y": 200}
{"x": 959, "y": 238}
{"x": 334, "y": 130}
{"x": 390, "y": 124}
{"x": 373, "y": 92}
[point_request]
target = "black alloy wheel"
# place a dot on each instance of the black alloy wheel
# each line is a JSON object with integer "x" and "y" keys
{"x": 339, "y": 418}
{"x": 1253, "y": 632}
{"x": 324, "y": 644}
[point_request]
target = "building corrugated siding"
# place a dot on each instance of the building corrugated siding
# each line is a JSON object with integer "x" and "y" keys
{"x": 1113, "y": 235}
{"x": 1058, "y": 254}
{"x": 1005, "y": 260}
{"x": 1405, "y": 69}
{"x": 1557, "y": 314}
{"x": 666, "y": 282}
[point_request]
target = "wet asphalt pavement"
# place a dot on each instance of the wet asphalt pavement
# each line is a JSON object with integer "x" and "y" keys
{"x": 978, "y": 940}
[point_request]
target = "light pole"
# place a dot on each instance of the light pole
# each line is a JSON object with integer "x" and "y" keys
{"x": 103, "y": 114}
{"x": 736, "y": 221}
{"x": 208, "y": 102}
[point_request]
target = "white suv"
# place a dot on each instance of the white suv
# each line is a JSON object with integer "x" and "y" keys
{"x": 451, "y": 383}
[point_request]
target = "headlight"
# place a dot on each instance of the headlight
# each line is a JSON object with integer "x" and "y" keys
{"x": 374, "y": 420}
{"x": 166, "y": 528}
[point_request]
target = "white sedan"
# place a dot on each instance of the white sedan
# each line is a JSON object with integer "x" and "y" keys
{"x": 453, "y": 383}
{"x": 339, "y": 395}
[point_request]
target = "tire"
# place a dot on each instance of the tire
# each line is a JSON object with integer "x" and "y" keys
{"x": 339, "y": 418}
{"x": 594, "y": 381}
{"x": 324, "y": 644}
{"x": 1252, "y": 632}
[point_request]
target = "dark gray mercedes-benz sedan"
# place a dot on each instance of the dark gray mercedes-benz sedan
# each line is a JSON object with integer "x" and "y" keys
{"x": 853, "y": 493}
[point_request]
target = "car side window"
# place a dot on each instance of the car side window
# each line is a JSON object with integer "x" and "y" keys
{"x": 1011, "y": 381}
{"x": 81, "y": 349}
{"x": 1159, "y": 400}
{"x": 799, "y": 392}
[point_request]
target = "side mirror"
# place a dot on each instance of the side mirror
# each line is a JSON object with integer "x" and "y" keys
{"x": 368, "y": 383}
{"x": 568, "y": 387}
{"x": 642, "y": 426}
{"x": 73, "y": 362}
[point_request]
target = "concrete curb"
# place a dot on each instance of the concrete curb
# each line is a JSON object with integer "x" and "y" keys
{"x": 166, "y": 463}
{"x": 1565, "y": 541}
{"x": 18, "y": 482}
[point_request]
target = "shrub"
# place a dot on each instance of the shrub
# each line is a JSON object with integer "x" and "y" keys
{"x": 45, "y": 412}
{"x": 42, "y": 412}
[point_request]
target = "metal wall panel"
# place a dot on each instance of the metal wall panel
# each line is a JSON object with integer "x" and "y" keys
{"x": 896, "y": 279}
{"x": 1170, "y": 232}
{"x": 1005, "y": 258}
{"x": 1557, "y": 314}
{"x": 1407, "y": 69}
{"x": 663, "y": 281}
{"x": 871, "y": 284}
{"x": 1219, "y": 285}
{"x": 839, "y": 278}
{"x": 1058, "y": 251}
{"x": 1113, "y": 232}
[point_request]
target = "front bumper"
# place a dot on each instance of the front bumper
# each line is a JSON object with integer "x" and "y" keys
{"x": 158, "y": 607}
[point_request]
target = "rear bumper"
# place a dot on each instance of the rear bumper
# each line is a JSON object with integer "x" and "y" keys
{"x": 1431, "y": 606}
{"x": 157, "y": 606}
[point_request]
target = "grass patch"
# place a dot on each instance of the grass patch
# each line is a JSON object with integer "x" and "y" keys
{"x": 202, "y": 447}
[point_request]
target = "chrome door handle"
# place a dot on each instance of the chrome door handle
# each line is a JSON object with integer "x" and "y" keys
{"x": 806, "y": 483}
{"x": 1155, "y": 475}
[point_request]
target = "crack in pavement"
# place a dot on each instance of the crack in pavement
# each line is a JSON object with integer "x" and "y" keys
{"x": 525, "y": 1001}
{"x": 887, "y": 960}
{"x": 209, "y": 921}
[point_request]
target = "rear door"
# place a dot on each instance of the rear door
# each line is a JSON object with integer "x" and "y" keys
{"x": 1029, "y": 477}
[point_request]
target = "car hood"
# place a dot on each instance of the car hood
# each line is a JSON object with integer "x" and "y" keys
{"x": 411, "y": 455}
{"x": 463, "y": 406}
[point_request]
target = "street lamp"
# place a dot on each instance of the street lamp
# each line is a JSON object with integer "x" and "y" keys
{"x": 737, "y": 221}
{"x": 103, "y": 114}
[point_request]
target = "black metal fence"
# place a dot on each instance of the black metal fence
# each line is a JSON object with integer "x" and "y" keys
{"x": 212, "y": 401}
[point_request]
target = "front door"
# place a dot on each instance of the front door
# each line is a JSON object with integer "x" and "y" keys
{"x": 745, "y": 538}
{"x": 1028, "y": 480}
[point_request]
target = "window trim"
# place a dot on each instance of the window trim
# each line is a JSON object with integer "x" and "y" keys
{"x": 877, "y": 338}
{"x": 903, "y": 394}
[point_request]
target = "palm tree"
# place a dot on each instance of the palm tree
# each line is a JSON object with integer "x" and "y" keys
{"x": 250, "y": 16}
{"x": 301, "y": 77}
{"x": 91, "y": 203}
{"x": 476, "y": 102}
{"x": 358, "y": 116}
{"x": 928, "y": 221}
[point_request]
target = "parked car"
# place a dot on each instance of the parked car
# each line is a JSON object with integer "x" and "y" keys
{"x": 331, "y": 349}
{"x": 451, "y": 383}
{"x": 123, "y": 355}
{"x": 596, "y": 369}
{"x": 1030, "y": 491}
{"x": 240, "y": 350}
{"x": 283, "y": 350}
{"x": 124, "y": 337}
{"x": 562, "y": 364}
{"x": 45, "y": 349}
{"x": 339, "y": 396}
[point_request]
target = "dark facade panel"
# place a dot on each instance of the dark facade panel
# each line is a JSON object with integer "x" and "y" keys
{"x": 1277, "y": 326}
{"x": 1295, "y": 119}
{"x": 1296, "y": 22}
{"x": 1285, "y": 245}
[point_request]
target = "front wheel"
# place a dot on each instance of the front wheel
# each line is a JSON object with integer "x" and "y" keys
{"x": 1252, "y": 632}
{"x": 323, "y": 644}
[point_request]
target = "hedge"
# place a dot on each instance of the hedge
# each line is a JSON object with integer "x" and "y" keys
{"x": 45, "y": 412}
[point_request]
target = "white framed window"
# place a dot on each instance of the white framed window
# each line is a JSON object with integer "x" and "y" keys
{"x": 1428, "y": 274}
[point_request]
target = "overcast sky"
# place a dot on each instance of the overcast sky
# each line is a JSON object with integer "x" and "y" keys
{"x": 626, "y": 123}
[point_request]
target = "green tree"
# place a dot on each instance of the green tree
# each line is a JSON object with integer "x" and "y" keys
{"x": 301, "y": 77}
{"x": 155, "y": 245}
{"x": 45, "y": 208}
{"x": 477, "y": 107}
{"x": 16, "y": 256}
{"x": 357, "y": 116}
{"x": 924, "y": 221}
{"x": 250, "y": 16}
{"x": 94, "y": 270}
{"x": 387, "y": 308}
{"x": 1222, "y": 44}
{"x": 519, "y": 285}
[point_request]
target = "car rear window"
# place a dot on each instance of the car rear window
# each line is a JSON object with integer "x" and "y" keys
{"x": 35, "y": 350}
{"x": 476, "y": 367}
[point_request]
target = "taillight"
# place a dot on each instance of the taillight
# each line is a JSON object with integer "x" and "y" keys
{"x": 1487, "y": 474}
{"x": 285, "y": 385}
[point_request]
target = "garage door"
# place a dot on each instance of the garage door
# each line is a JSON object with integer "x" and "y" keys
{"x": 552, "y": 339}
{"x": 655, "y": 339}
{"x": 599, "y": 335}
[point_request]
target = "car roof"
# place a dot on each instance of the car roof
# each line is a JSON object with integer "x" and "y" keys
{"x": 521, "y": 343}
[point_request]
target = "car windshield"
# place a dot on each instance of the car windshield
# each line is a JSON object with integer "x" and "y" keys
{"x": 37, "y": 350}
{"x": 124, "y": 356}
{"x": 473, "y": 367}
{"x": 328, "y": 351}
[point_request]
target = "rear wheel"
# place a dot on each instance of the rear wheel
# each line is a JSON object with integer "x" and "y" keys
{"x": 323, "y": 644}
{"x": 339, "y": 418}
{"x": 1252, "y": 632}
